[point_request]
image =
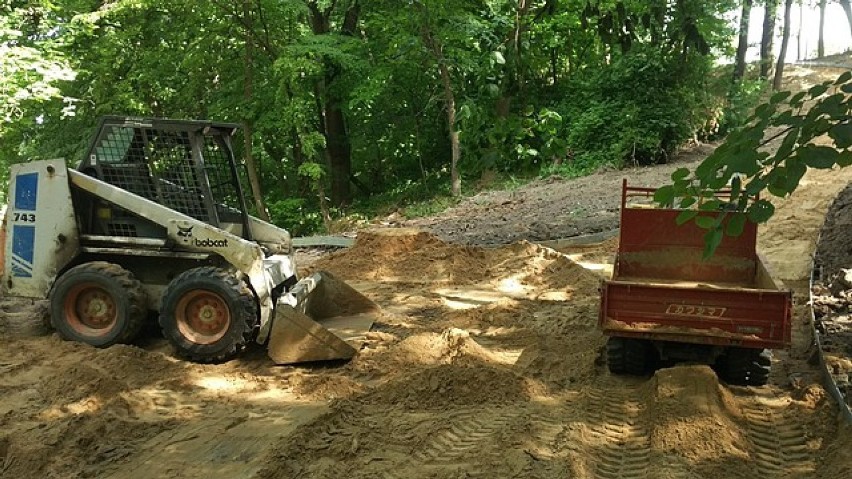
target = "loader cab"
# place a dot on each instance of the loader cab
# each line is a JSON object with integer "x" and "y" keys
{"x": 188, "y": 166}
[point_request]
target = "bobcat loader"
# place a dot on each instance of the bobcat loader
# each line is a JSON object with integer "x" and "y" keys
{"x": 154, "y": 219}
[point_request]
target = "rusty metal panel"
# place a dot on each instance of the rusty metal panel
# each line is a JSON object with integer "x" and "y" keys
{"x": 699, "y": 314}
{"x": 653, "y": 245}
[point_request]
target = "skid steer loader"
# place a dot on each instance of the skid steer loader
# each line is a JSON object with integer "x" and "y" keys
{"x": 154, "y": 218}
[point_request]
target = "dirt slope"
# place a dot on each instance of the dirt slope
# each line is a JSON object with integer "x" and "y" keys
{"x": 488, "y": 364}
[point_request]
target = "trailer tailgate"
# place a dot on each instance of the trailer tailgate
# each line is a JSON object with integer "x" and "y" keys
{"x": 701, "y": 314}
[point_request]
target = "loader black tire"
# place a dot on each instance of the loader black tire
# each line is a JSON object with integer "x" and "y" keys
{"x": 745, "y": 366}
{"x": 629, "y": 356}
{"x": 97, "y": 303}
{"x": 208, "y": 314}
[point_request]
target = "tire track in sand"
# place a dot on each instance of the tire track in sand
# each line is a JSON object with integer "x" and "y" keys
{"x": 779, "y": 442}
{"x": 466, "y": 434}
{"x": 626, "y": 451}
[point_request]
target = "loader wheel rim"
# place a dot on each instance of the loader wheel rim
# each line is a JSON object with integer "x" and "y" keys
{"x": 90, "y": 309}
{"x": 203, "y": 316}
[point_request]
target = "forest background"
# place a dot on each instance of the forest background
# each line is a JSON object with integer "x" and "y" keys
{"x": 357, "y": 108}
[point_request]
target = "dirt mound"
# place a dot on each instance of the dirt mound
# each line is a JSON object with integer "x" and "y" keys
{"x": 452, "y": 346}
{"x": 409, "y": 255}
{"x": 104, "y": 373}
{"x": 406, "y": 255}
{"x": 834, "y": 250}
{"x": 832, "y": 293}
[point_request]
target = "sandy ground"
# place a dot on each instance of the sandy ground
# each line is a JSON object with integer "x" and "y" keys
{"x": 486, "y": 363}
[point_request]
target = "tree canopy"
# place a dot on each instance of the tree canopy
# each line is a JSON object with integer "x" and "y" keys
{"x": 356, "y": 99}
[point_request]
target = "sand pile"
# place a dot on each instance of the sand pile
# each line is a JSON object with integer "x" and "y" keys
{"x": 406, "y": 255}
{"x": 409, "y": 255}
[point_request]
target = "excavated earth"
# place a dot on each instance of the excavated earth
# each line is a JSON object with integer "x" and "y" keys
{"x": 487, "y": 362}
{"x": 833, "y": 291}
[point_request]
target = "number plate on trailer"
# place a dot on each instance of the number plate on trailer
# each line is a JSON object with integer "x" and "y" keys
{"x": 693, "y": 310}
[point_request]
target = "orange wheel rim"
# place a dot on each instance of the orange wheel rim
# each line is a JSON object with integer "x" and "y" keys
{"x": 90, "y": 309}
{"x": 202, "y": 316}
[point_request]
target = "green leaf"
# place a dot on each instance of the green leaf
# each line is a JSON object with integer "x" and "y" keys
{"x": 685, "y": 216}
{"x": 844, "y": 159}
{"x": 760, "y": 211}
{"x": 755, "y": 186}
{"x": 818, "y": 90}
{"x": 787, "y": 145}
{"x": 747, "y": 163}
{"x": 843, "y": 78}
{"x": 687, "y": 202}
{"x": 736, "y": 187}
{"x": 779, "y": 97}
{"x": 822, "y": 157}
{"x": 764, "y": 111}
{"x": 712, "y": 240}
{"x": 498, "y": 58}
{"x": 841, "y": 134}
{"x": 797, "y": 98}
{"x": 664, "y": 195}
{"x": 710, "y": 205}
{"x": 680, "y": 174}
{"x": 705, "y": 222}
{"x": 736, "y": 225}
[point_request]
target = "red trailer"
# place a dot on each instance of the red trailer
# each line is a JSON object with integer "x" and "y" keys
{"x": 666, "y": 303}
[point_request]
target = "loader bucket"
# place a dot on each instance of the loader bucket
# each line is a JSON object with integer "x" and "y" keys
{"x": 321, "y": 318}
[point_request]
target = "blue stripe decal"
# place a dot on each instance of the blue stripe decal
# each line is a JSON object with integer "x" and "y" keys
{"x": 23, "y": 242}
{"x": 26, "y": 191}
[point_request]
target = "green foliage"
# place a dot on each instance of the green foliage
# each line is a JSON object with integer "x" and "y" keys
{"x": 295, "y": 215}
{"x": 810, "y": 129}
{"x": 638, "y": 109}
{"x": 554, "y": 87}
{"x": 742, "y": 100}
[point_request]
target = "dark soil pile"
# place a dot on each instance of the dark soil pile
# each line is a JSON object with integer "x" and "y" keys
{"x": 833, "y": 291}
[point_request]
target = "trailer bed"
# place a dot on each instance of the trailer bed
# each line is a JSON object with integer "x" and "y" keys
{"x": 663, "y": 290}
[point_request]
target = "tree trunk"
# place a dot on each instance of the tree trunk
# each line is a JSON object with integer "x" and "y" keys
{"x": 248, "y": 127}
{"x": 785, "y": 40}
{"x": 821, "y": 41}
{"x": 799, "y": 33}
{"x": 847, "y": 7}
{"x": 436, "y": 48}
{"x": 767, "y": 38}
{"x": 338, "y": 148}
{"x": 455, "y": 179}
{"x": 742, "y": 45}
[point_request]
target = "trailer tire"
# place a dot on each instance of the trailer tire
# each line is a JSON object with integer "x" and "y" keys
{"x": 629, "y": 356}
{"x": 208, "y": 314}
{"x": 746, "y": 367}
{"x": 97, "y": 303}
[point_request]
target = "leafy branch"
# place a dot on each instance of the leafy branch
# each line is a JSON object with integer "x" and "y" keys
{"x": 748, "y": 164}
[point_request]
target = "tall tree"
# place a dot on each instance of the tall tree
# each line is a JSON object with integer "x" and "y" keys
{"x": 847, "y": 8}
{"x": 785, "y": 40}
{"x": 334, "y": 127}
{"x": 767, "y": 38}
{"x": 821, "y": 39}
{"x": 435, "y": 46}
{"x": 799, "y": 32}
{"x": 248, "y": 120}
{"x": 742, "y": 45}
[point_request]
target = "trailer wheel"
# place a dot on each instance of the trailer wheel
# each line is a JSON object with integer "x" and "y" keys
{"x": 208, "y": 314}
{"x": 629, "y": 356}
{"x": 97, "y": 303}
{"x": 746, "y": 367}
